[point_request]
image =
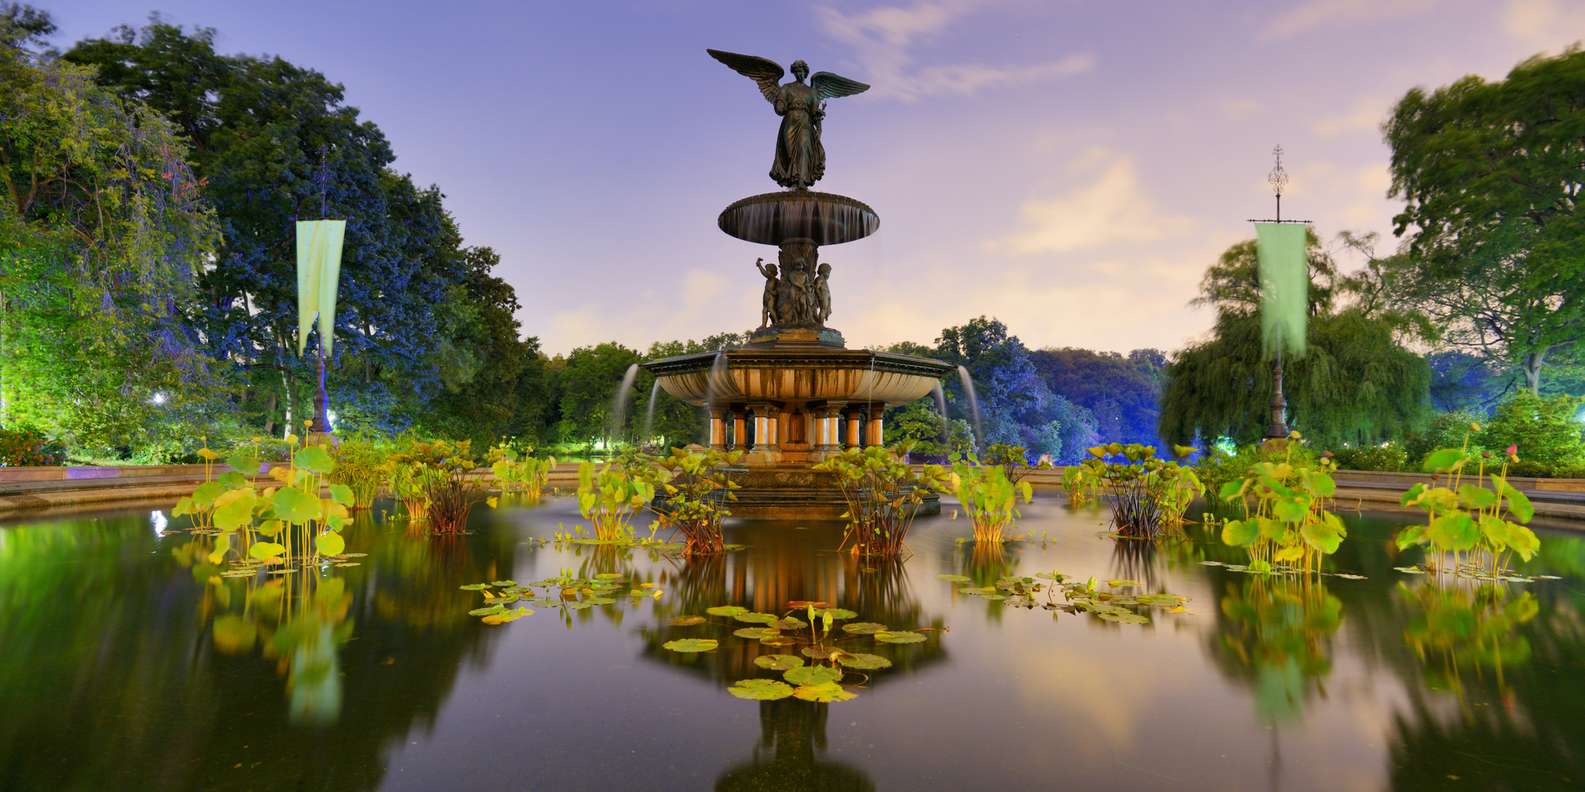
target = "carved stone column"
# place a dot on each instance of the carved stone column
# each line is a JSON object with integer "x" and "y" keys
{"x": 739, "y": 431}
{"x": 855, "y": 417}
{"x": 717, "y": 429}
{"x": 766, "y": 448}
{"x": 826, "y": 439}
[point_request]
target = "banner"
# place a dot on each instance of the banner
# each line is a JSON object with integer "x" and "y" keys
{"x": 1284, "y": 286}
{"x": 318, "y": 271}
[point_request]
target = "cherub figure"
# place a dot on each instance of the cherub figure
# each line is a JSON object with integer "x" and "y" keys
{"x": 823, "y": 292}
{"x": 768, "y": 302}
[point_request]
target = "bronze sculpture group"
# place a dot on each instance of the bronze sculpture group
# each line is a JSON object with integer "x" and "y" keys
{"x": 799, "y": 295}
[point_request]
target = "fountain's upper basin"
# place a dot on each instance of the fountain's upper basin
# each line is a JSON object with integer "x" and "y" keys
{"x": 782, "y": 375}
{"x": 824, "y": 218}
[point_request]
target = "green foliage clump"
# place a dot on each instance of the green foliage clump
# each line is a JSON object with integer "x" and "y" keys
{"x": 519, "y": 471}
{"x": 696, "y": 487}
{"x": 989, "y": 497}
{"x": 1148, "y": 494}
{"x": 1444, "y": 430}
{"x": 610, "y": 494}
{"x": 362, "y": 466}
{"x": 1547, "y": 431}
{"x": 436, "y": 483}
{"x": 1488, "y": 523}
{"x": 26, "y": 445}
{"x": 883, "y": 494}
{"x": 1285, "y": 516}
{"x": 1389, "y": 457}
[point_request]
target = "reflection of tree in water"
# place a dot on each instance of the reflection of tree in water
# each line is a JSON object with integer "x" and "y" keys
{"x": 132, "y": 631}
{"x": 790, "y": 753}
{"x": 1274, "y": 633}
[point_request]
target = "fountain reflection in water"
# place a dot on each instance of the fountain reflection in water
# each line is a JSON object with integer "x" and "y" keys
{"x": 648, "y": 433}
{"x": 619, "y": 404}
{"x": 974, "y": 402}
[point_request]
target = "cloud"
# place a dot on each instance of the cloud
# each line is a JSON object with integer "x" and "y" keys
{"x": 883, "y": 39}
{"x": 1239, "y": 108}
{"x": 1109, "y": 207}
{"x": 1315, "y": 14}
{"x": 1544, "y": 24}
{"x": 1366, "y": 115}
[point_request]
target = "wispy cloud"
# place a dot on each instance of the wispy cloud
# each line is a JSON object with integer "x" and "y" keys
{"x": 1314, "y": 14}
{"x": 1545, "y": 24}
{"x": 1110, "y": 207}
{"x": 884, "y": 39}
{"x": 1366, "y": 115}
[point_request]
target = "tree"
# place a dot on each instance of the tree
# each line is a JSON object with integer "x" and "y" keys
{"x": 1490, "y": 176}
{"x": 101, "y": 233}
{"x": 1123, "y": 394}
{"x": 1355, "y": 384}
{"x": 588, "y": 382}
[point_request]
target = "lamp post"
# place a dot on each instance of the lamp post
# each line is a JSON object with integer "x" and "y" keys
{"x": 1277, "y": 418}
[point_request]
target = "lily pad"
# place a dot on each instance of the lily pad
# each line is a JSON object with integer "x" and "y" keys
{"x": 790, "y": 623}
{"x": 756, "y": 633}
{"x": 779, "y": 662}
{"x": 474, "y": 586}
{"x": 778, "y": 640}
{"x": 690, "y": 645}
{"x": 956, "y": 578}
{"x": 819, "y": 652}
{"x": 863, "y": 628}
{"x": 823, "y": 694}
{"x": 837, "y": 613}
{"x": 1123, "y": 617}
{"x": 610, "y": 576}
{"x": 1410, "y": 570}
{"x": 503, "y": 583}
{"x": 899, "y": 637}
{"x": 864, "y": 662}
{"x": 812, "y": 675}
{"x": 761, "y": 689}
{"x": 755, "y": 618}
{"x": 486, "y": 611}
{"x": 726, "y": 610}
{"x": 687, "y": 621}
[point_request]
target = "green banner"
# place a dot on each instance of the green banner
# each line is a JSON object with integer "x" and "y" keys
{"x": 318, "y": 272}
{"x": 1284, "y": 286}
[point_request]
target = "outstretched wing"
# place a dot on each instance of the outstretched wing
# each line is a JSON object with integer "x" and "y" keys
{"x": 830, "y": 86}
{"x": 763, "y": 71}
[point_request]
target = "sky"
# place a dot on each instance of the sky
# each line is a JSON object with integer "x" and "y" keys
{"x": 1068, "y": 167}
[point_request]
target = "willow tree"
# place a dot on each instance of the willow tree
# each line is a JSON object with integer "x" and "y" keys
{"x": 1356, "y": 382}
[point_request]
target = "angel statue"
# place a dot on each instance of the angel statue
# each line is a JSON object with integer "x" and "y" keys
{"x": 800, "y": 159}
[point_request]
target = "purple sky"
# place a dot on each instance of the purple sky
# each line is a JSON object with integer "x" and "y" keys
{"x": 1069, "y": 167}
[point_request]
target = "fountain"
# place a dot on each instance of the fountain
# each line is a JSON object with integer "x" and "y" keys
{"x": 786, "y": 397}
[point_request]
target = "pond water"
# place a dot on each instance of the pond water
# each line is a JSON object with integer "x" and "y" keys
{"x": 126, "y": 662}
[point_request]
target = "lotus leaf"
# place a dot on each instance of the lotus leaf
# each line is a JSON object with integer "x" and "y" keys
{"x": 474, "y": 586}
{"x": 726, "y": 610}
{"x": 330, "y": 543}
{"x": 761, "y": 689}
{"x": 690, "y": 645}
{"x": 812, "y": 675}
{"x": 315, "y": 459}
{"x": 295, "y": 505}
{"x": 823, "y": 694}
{"x": 778, "y": 640}
{"x": 755, "y": 618}
{"x": 779, "y": 662}
{"x": 864, "y": 662}
{"x": 818, "y": 652}
{"x": 838, "y": 613}
{"x": 899, "y": 636}
{"x": 266, "y": 551}
{"x": 756, "y": 633}
{"x": 863, "y": 628}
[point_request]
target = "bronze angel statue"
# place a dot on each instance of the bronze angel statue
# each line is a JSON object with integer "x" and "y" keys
{"x": 800, "y": 159}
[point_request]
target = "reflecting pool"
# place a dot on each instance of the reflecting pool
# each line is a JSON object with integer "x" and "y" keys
{"x": 128, "y": 661}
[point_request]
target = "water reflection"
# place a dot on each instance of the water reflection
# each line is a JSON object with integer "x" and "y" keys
{"x": 790, "y": 754}
{"x": 1274, "y": 634}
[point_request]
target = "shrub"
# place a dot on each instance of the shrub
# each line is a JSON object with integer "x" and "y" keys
{"x": 361, "y": 465}
{"x": 25, "y": 445}
{"x": 1446, "y": 430}
{"x": 1390, "y": 457}
{"x": 1544, "y": 428}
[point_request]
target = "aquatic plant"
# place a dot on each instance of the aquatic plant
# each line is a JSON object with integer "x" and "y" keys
{"x": 362, "y": 466}
{"x": 610, "y": 494}
{"x": 1276, "y": 635}
{"x": 1148, "y": 494}
{"x": 1488, "y": 523}
{"x": 404, "y": 471}
{"x": 1285, "y": 520}
{"x": 1119, "y": 601}
{"x": 989, "y": 498}
{"x": 695, "y": 487}
{"x": 449, "y": 485}
{"x": 883, "y": 493}
{"x": 1082, "y": 482}
{"x": 1451, "y": 627}
{"x": 519, "y": 471}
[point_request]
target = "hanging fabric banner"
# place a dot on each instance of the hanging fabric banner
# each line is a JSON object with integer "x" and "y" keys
{"x": 318, "y": 272}
{"x": 1284, "y": 286}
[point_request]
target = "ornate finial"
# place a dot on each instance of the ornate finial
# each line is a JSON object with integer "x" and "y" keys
{"x": 1277, "y": 178}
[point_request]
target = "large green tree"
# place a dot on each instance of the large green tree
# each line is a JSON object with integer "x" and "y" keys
{"x": 1490, "y": 174}
{"x": 1355, "y": 384}
{"x": 102, "y": 231}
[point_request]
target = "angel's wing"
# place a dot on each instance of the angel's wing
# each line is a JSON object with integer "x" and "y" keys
{"x": 764, "y": 72}
{"x": 831, "y": 86}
